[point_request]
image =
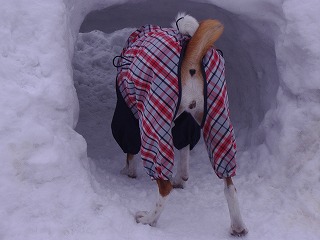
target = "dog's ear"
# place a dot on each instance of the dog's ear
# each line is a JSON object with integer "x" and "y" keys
{"x": 185, "y": 24}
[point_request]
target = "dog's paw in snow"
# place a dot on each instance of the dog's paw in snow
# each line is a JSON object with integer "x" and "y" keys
{"x": 238, "y": 231}
{"x": 145, "y": 218}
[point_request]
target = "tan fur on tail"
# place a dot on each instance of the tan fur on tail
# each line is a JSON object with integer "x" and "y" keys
{"x": 206, "y": 35}
{"x": 192, "y": 99}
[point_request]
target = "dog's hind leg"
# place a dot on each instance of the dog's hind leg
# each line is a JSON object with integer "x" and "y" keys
{"x": 152, "y": 216}
{"x": 182, "y": 174}
{"x": 238, "y": 228}
{"x": 131, "y": 166}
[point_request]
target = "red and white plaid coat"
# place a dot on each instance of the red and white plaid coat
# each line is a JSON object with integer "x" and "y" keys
{"x": 148, "y": 79}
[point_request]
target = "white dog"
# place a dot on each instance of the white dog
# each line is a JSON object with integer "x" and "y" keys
{"x": 170, "y": 85}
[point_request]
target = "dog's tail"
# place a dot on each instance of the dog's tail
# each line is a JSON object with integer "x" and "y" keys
{"x": 192, "y": 82}
{"x": 205, "y": 36}
{"x": 185, "y": 24}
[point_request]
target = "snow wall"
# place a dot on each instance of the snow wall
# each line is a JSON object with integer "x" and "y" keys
{"x": 271, "y": 57}
{"x": 272, "y": 52}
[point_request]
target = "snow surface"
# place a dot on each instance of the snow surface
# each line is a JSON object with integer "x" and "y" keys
{"x": 61, "y": 183}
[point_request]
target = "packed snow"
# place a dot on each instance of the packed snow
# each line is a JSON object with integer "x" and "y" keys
{"x": 60, "y": 178}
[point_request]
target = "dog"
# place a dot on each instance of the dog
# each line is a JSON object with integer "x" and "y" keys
{"x": 170, "y": 85}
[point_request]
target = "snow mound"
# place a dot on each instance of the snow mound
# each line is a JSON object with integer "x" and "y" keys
{"x": 50, "y": 189}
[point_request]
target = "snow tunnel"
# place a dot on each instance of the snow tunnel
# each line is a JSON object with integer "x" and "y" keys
{"x": 51, "y": 190}
{"x": 248, "y": 47}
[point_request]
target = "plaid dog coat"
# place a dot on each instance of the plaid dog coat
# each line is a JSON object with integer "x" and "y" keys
{"x": 148, "y": 81}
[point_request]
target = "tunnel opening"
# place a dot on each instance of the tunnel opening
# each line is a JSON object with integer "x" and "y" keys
{"x": 251, "y": 69}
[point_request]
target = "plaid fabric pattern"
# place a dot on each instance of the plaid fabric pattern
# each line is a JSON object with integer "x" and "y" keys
{"x": 148, "y": 81}
{"x": 218, "y": 131}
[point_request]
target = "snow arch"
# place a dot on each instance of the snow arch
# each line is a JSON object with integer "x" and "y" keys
{"x": 252, "y": 72}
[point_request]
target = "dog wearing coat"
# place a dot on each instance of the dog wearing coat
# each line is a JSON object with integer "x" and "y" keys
{"x": 170, "y": 85}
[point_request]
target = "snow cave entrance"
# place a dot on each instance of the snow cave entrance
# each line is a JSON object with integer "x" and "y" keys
{"x": 251, "y": 70}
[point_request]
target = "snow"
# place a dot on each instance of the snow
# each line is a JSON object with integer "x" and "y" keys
{"x": 61, "y": 183}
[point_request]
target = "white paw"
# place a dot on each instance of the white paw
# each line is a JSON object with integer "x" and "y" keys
{"x": 144, "y": 218}
{"x": 178, "y": 182}
{"x": 129, "y": 172}
{"x": 238, "y": 231}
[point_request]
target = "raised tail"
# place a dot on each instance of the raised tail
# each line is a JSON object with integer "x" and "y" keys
{"x": 192, "y": 81}
{"x": 203, "y": 39}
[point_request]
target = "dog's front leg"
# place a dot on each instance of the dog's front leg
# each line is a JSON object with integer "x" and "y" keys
{"x": 152, "y": 216}
{"x": 238, "y": 228}
{"x": 182, "y": 174}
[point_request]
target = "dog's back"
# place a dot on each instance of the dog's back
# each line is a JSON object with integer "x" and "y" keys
{"x": 149, "y": 81}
